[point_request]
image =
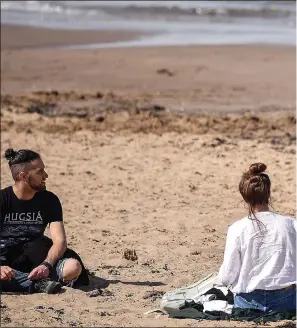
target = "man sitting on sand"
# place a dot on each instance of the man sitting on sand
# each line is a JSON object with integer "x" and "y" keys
{"x": 260, "y": 255}
{"x": 27, "y": 208}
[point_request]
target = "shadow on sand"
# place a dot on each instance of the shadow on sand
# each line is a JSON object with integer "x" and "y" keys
{"x": 101, "y": 283}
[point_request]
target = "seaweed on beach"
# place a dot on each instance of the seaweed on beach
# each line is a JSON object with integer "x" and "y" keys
{"x": 73, "y": 111}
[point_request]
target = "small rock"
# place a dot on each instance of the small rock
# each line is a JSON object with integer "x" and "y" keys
{"x": 165, "y": 71}
{"x": 192, "y": 187}
{"x": 114, "y": 272}
{"x": 106, "y": 233}
{"x": 148, "y": 263}
{"x": 94, "y": 293}
{"x": 99, "y": 95}
{"x": 99, "y": 118}
{"x": 104, "y": 314}
{"x": 39, "y": 307}
{"x": 130, "y": 254}
{"x": 255, "y": 118}
{"x": 106, "y": 292}
{"x": 155, "y": 294}
{"x": 6, "y": 319}
{"x": 196, "y": 253}
{"x": 59, "y": 311}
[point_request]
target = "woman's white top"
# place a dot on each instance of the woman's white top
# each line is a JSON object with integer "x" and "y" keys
{"x": 260, "y": 255}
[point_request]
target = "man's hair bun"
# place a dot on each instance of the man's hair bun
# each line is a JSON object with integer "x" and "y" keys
{"x": 9, "y": 154}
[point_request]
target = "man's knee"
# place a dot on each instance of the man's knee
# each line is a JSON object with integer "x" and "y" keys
{"x": 71, "y": 269}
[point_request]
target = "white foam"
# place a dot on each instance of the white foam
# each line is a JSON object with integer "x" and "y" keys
{"x": 173, "y": 30}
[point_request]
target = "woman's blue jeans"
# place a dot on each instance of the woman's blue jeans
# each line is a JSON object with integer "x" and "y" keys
{"x": 19, "y": 284}
{"x": 267, "y": 300}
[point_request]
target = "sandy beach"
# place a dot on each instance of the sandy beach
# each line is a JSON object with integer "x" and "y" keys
{"x": 145, "y": 148}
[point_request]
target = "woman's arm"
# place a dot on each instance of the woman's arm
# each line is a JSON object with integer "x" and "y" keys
{"x": 231, "y": 266}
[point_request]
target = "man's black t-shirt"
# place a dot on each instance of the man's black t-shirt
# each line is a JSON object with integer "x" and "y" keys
{"x": 24, "y": 220}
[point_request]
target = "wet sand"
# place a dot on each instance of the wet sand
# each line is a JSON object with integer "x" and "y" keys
{"x": 192, "y": 79}
{"x": 20, "y": 37}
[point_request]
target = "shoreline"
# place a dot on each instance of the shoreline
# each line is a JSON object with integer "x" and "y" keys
{"x": 23, "y": 37}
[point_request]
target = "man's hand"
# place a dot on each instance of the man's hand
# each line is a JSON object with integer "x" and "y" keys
{"x": 39, "y": 272}
{"x": 6, "y": 272}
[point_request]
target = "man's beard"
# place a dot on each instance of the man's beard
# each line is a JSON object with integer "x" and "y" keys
{"x": 40, "y": 187}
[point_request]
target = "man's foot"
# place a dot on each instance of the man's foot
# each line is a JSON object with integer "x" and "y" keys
{"x": 47, "y": 286}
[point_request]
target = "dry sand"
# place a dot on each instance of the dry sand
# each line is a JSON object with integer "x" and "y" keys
{"x": 130, "y": 174}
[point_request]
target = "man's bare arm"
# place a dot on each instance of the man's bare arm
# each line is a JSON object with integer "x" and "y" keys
{"x": 57, "y": 250}
{"x": 59, "y": 247}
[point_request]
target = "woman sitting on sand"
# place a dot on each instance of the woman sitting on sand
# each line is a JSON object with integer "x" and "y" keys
{"x": 260, "y": 255}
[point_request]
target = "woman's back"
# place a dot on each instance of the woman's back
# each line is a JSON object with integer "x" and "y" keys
{"x": 267, "y": 249}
